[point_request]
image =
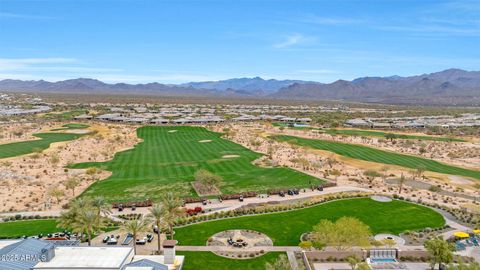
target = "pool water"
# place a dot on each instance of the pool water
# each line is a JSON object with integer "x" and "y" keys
{"x": 377, "y": 260}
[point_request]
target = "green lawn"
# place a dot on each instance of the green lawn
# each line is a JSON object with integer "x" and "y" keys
{"x": 207, "y": 261}
{"x": 71, "y": 126}
{"x": 167, "y": 161}
{"x": 27, "y": 147}
{"x": 286, "y": 228}
{"x": 373, "y": 133}
{"x": 63, "y": 116}
{"x": 380, "y": 156}
{"x": 15, "y": 229}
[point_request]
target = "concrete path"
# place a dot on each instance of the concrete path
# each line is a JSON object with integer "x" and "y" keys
{"x": 234, "y": 204}
{"x": 219, "y": 206}
{"x": 292, "y": 260}
{"x": 222, "y": 248}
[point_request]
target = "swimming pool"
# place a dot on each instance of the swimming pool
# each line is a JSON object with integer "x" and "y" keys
{"x": 379, "y": 260}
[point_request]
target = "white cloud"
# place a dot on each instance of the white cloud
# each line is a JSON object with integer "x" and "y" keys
{"x": 290, "y": 41}
{"x": 20, "y": 63}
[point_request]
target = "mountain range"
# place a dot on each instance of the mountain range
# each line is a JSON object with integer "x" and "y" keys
{"x": 249, "y": 86}
{"x": 448, "y": 87}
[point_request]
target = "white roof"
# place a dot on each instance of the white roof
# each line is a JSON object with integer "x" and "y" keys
{"x": 4, "y": 243}
{"x": 88, "y": 258}
{"x": 160, "y": 259}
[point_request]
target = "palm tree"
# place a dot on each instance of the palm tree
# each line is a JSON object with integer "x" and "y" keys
{"x": 86, "y": 222}
{"x": 158, "y": 213}
{"x": 173, "y": 207}
{"x": 68, "y": 218}
{"x": 101, "y": 206}
{"x": 136, "y": 226}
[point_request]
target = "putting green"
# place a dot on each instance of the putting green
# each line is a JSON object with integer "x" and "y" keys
{"x": 379, "y": 156}
{"x": 15, "y": 229}
{"x": 167, "y": 161}
{"x": 28, "y": 147}
{"x": 286, "y": 228}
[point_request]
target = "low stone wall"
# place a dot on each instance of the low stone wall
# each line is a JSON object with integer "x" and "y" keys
{"x": 332, "y": 256}
{"x": 413, "y": 255}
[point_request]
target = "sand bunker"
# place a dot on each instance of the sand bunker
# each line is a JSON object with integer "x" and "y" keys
{"x": 204, "y": 141}
{"x": 460, "y": 180}
{"x": 381, "y": 198}
{"x": 230, "y": 156}
{"x": 173, "y": 130}
{"x": 78, "y": 131}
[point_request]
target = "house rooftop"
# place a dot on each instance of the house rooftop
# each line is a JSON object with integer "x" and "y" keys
{"x": 88, "y": 258}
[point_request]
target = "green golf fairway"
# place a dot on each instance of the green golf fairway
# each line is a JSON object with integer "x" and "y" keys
{"x": 380, "y": 156}
{"x": 15, "y": 229}
{"x": 72, "y": 126}
{"x": 27, "y": 147}
{"x": 286, "y": 228}
{"x": 169, "y": 156}
{"x": 372, "y": 133}
{"x": 201, "y": 260}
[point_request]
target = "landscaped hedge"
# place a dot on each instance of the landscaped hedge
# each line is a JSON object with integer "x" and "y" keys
{"x": 20, "y": 217}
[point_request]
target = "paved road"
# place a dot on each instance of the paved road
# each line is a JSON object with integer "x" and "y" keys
{"x": 292, "y": 260}
{"x": 216, "y": 206}
{"x": 223, "y": 248}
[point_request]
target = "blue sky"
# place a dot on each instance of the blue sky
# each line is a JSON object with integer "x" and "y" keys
{"x": 179, "y": 41}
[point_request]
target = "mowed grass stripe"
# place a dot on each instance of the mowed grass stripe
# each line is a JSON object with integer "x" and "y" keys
{"x": 28, "y": 147}
{"x": 286, "y": 228}
{"x": 168, "y": 161}
{"x": 379, "y": 156}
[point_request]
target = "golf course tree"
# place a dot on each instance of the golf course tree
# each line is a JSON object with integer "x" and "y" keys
{"x": 384, "y": 171}
{"x": 401, "y": 181}
{"x": 173, "y": 207}
{"x": 353, "y": 261}
{"x": 464, "y": 266}
{"x": 420, "y": 170}
{"x": 158, "y": 215}
{"x": 57, "y": 193}
{"x": 390, "y": 136}
{"x": 280, "y": 264}
{"x": 83, "y": 218}
{"x": 335, "y": 173}
{"x": 342, "y": 234}
{"x": 208, "y": 179}
{"x": 476, "y": 222}
{"x": 72, "y": 184}
{"x": 135, "y": 227}
{"x": 363, "y": 266}
{"x": 440, "y": 251}
{"x": 371, "y": 175}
